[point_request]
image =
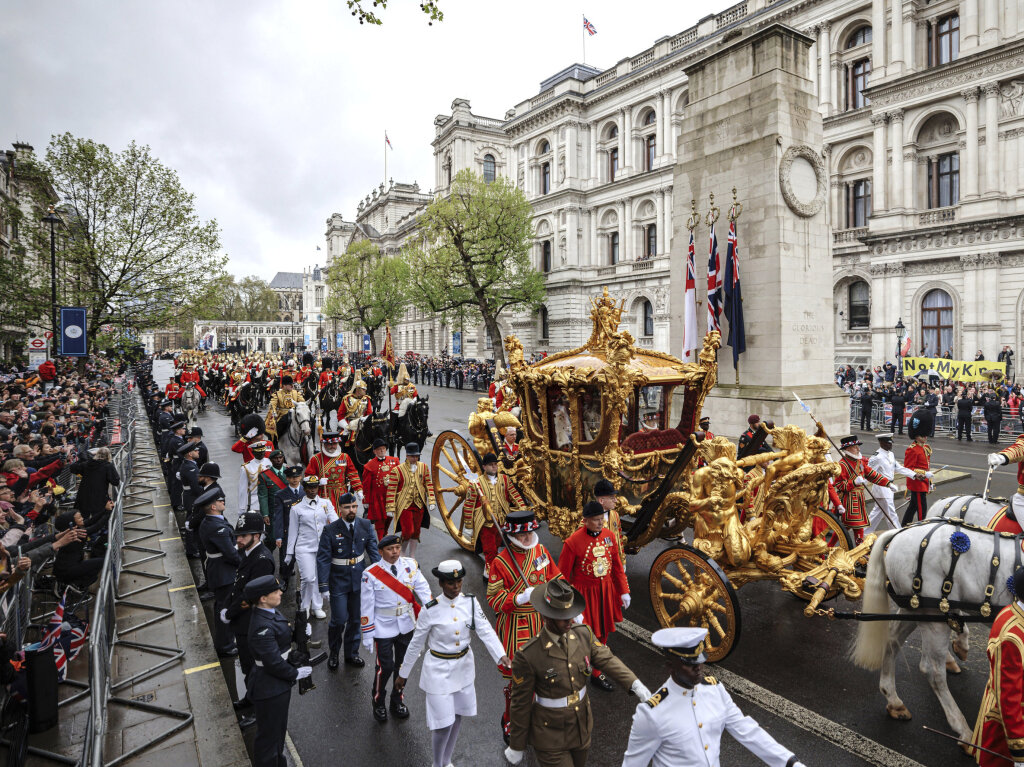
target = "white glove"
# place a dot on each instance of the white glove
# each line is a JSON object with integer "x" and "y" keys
{"x": 304, "y": 671}
{"x": 309, "y": 630}
{"x": 859, "y": 481}
{"x": 840, "y": 509}
{"x": 325, "y": 594}
{"x": 513, "y": 756}
{"x": 359, "y": 497}
{"x": 928, "y": 475}
{"x": 626, "y": 599}
{"x": 433, "y": 508}
{"x": 288, "y": 560}
{"x": 578, "y": 620}
{"x": 224, "y": 616}
{"x": 323, "y": 481}
{"x": 369, "y": 645}
{"x": 524, "y": 597}
{"x": 188, "y": 526}
{"x": 638, "y": 689}
{"x": 996, "y": 459}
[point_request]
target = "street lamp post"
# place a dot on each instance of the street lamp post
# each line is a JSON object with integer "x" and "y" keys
{"x": 53, "y": 219}
{"x": 901, "y": 331}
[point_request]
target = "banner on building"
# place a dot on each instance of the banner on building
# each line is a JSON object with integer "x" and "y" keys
{"x": 339, "y": 342}
{"x": 457, "y": 342}
{"x": 366, "y": 342}
{"x": 73, "y": 342}
{"x": 323, "y": 344}
{"x": 953, "y": 370}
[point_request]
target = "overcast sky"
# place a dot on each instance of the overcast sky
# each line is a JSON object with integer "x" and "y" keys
{"x": 274, "y": 112}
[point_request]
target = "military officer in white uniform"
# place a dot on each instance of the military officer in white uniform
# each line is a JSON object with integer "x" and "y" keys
{"x": 306, "y": 521}
{"x": 444, "y": 628}
{"x": 885, "y": 463}
{"x": 392, "y": 594}
{"x": 681, "y": 725}
{"x": 249, "y": 478}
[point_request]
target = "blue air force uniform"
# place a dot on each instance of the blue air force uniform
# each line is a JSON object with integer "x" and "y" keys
{"x": 217, "y": 538}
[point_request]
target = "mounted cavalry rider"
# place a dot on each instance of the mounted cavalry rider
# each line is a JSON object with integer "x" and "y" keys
{"x": 326, "y": 373}
{"x": 238, "y": 380}
{"x": 403, "y": 390}
{"x": 281, "y": 403}
{"x": 354, "y": 409}
{"x": 190, "y": 376}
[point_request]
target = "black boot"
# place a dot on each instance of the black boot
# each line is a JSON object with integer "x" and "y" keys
{"x": 380, "y": 711}
{"x": 398, "y": 707}
{"x": 334, "y": 643}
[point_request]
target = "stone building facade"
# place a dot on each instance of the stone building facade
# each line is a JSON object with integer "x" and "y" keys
{"x": 923, "y": 117}
{"x": 272, "y": 337}
{"x": 288, "y": 286}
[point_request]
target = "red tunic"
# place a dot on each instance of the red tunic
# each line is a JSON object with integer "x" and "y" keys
{"x": 1000, "y": 724}
{"x": 375, "y": 485}
{"x": 172, "y": 391}
{"x": 592, "y": 565}
{"x": 191, "y": 376}
{"x": 343, "y": 407}
{"x": 242, "y": 446}
{"x": 1015, "y": 454}
{"x": 341, "y": 475}
{"x": 852, "y": 494}
{"x": 517, "y": 624}
{"x": 916, "y": 458}
{"x": 325, "y": 378}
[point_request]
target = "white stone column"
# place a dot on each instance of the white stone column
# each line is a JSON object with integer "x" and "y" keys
{"x": 991, "y": 22}
{"x": 1018, "y": 141}
{"x": 665, "y": 124}
{"x": 992, "y": 185}
{"x": 626, "y": 244}
{"x": 897, "y": 176}
{"x": 969, "y": 166}
{"x": 630, "y": 144}
{"x": 969, "y": 25}
{"x": 623, "y": 142}
{"x": 570, "y": 153}
{"x": 669, "y": 228}
{"x": 1011, "y": 18}
{"x": 909, "y": 165}
{"x": 592, "y": 172}
{"x": 659, "y": 207}
{"x": 838, "y": 213}
{"x": 674, "y": 135}
{"x": 812, "y": 57}
{"x": 592, "y": 249}
{"x": 878, "y": 60}
{"x": 909, "y": 27}
{"x": 879, "y": 165}
{"x": 839, "y": 86}
{"x": 897, "y": 38}
{"x": 572, "y": 237}
{"x": 623, "y": 230}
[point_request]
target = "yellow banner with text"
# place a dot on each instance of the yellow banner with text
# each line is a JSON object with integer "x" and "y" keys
{"x": 954, "y": 370}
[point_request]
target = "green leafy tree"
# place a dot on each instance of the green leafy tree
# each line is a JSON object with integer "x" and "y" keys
{"x": 367, "y": 289}
{"x": 134, "y": 245}
{"x": 475, "y": 254}
{"x": 367, "y": 16}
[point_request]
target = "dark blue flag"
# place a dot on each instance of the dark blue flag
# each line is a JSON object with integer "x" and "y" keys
{"x": 734, "y": 297}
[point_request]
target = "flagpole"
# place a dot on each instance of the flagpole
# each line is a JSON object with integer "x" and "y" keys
{"x": 385, "y": 157}
{"x": 583, "y": 36}
{"x": 734, "y": 213}
{"x": 711, "y": 219}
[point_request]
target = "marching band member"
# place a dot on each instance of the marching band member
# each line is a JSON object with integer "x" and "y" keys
{"x": 410, "y": 497}
{"x": 501, "y": 495}
{"x": 306, "y": 522}
{"x": 376, "y": 475}
{"x": 590, "y": 562}
{"x": 514, "y": 574}
{"x": 444, "y": 628}
{"x": 392, "y": 594}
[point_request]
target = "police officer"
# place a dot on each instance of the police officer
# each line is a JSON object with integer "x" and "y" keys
{"x": 166, "y": 416}
{"x": 391, "y": 596}
{"x": 270, "y": 684}
{"x": 256, "y": 562}
{"x": 681, "y": 725}
{"x": 196, "y": 435}
{"x": 550, "y": 709}
{"x": 281, "y": 508}
{"x": 188, "y": 476}
{"x": 218, "y": 541}
{"x": 207, "y": 479}
{"x": 339, "y": 566}
{"x": 173, "y": 439}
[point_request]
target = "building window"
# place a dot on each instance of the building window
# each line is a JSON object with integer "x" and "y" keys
{"x": 545, "y": 256}
{"x": 861, "y": 37}
{"x": 857, "y": 76}
{"x": 860, "y": 305}
{"x": 545, "y": 178}
{"x": 937, "y": 323}
{"x": 543, "y": 314}
{"x": 613, "y": 248}
{"x": 651, "y": 145}
{"x": 488, "y": 168}
{"x": 319, "y": 297}
{"x": 545, "y": 147}
{"x": 944, "y": 180}
{"x": 648, "y": 319}
{"x": 944, "y": 40}
{"x": 858, "y": 204}
{"x": 650, "y": 241}
{"x": 613, "y": 164}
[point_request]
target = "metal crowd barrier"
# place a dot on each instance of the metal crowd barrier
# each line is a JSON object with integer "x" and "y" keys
{"x": 1011, "y": 425}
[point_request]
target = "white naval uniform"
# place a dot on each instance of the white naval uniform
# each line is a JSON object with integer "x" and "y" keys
{"x": 307, "y": 520}
{"x": 885, "y": 463}
{"x": 384, "y": 613}
{"x": 444, "y": 627}
{"x": 683, "y": 728}
{"x": 249, "y": 483}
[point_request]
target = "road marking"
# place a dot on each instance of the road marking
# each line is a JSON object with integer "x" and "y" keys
{"x": 181, "y": 588}
{"x": 292, "y": 750}
{"x": 869, "y": 750}
{"x": 162, "y": 506}
{"x": 170, "y": 539}
{"x": 206, "y": 667}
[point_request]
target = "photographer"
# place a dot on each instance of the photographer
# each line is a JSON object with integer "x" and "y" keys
{"x": 71, "y": 566}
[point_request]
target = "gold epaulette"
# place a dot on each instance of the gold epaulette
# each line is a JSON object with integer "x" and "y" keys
{"x": 658, "y": 697}
{"x": 710, "y": 680}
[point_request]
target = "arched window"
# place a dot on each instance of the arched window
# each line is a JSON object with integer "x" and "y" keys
{"x": 648, "y": 319}
{"x": 650, "y": 118}
{"x": 545, "y": 147}
{"x": 545, "y": 256}
{"x": 613, "y": 132}
{"x": 937, "y": 323}
{"x": 861, "y": 36}
{"x": 860, "y": 305}
{"x": 319, "y": 297}
{"x": 545, "y": 178}
{"x": 542, "y": 313}
{"x": 488, "y": 168}
{"x": 613, "y": 248}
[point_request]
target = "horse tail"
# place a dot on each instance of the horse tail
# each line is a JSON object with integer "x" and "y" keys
{"x": 868, "y": 649}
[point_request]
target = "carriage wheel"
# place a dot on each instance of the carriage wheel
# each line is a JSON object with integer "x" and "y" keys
{"x": 689, "y": 589}
{"x": 827, "y": 527}
{"x": 447, "y": 471}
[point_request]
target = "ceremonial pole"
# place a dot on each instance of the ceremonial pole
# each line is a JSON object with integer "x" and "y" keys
{"x": 733, "y": 246}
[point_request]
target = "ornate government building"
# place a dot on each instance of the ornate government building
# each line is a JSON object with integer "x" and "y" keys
{"x": 923, "y": 110}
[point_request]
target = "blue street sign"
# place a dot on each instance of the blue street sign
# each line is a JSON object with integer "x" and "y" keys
{"x": 323, "y": 344}
{"x": 339, "y": 342}
{"x": 457, "y": 342}
{"x": 366, "y": 342}
{"x": 306, "y": 342}
{"x": 72, "y": 332}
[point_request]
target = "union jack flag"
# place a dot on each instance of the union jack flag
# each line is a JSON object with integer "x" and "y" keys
{"x": 388, "y": 142}
{"x": 589, "y": 27}
{"x": 690, "y": 304}
{"x": 714, "y": 285}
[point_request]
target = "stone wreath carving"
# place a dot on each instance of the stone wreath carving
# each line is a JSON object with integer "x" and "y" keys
{"x": 808, "y": 209}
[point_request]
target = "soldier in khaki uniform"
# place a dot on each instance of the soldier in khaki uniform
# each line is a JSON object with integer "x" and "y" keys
{"x": 550, "y": 709}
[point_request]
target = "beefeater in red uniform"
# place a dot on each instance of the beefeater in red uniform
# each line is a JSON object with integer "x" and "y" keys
{"x": 590, "y": 562}
{"x": 1000, "y": 723}
{"x": 855, "y": 473}
{"x": 192, "y": 376}
{"x": 336, "y": 470}
{"x": 376, "y": 476}
{"x": 502, "y": 497}
{"x": 513, "y": 575}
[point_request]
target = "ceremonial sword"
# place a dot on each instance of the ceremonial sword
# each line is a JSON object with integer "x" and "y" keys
{"x": 968, "y": 743}
{"x": 475, "y": 479}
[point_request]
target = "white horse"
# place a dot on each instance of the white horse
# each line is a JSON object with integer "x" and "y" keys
{"x": 296, "y": 434}
{"x": 975, "y": 510}
{"x": 190, "y": 405}
{"x": 894, "y": 561}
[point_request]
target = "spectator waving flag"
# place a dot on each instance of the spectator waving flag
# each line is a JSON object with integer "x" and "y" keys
{"x": 690, "y": 306}
{"x": 589, "y": 27}
{"x": 714, "y": 284}
{"x": 734, "y": 297}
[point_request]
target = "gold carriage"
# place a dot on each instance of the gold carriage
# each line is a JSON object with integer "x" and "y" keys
{"x": 611, "y": 410}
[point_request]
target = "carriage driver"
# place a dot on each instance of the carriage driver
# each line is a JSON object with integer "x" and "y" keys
{"x": 284, "y": 399}
{"x": 1013, "y": 454}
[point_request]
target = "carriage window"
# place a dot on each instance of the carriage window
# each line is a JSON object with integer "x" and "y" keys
{"x": 590, "y": 413}
{"x": 652, "y": 410}
{"x": 648, "y": 424}
{"x": 559, "y": 420}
